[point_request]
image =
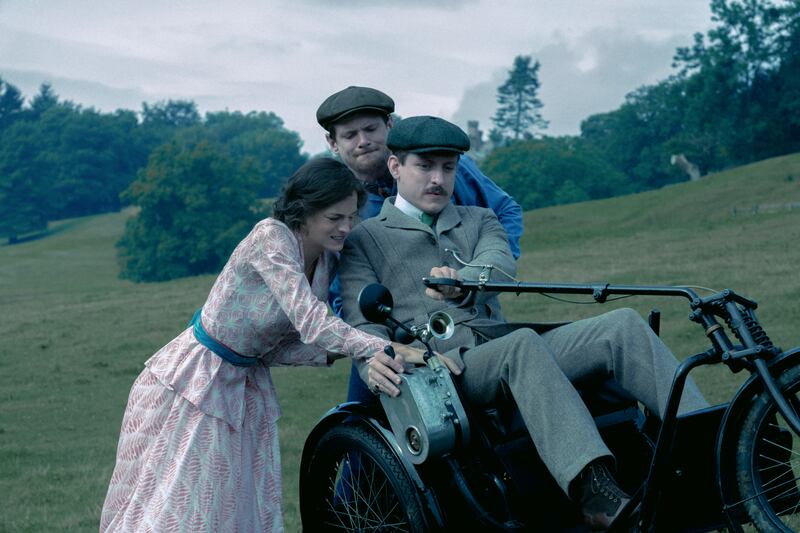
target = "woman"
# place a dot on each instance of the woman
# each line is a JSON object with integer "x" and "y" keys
{"x": 198, "y": 450}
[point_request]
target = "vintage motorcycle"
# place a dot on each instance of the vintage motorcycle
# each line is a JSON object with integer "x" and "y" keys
{"x": 428, "y": 461}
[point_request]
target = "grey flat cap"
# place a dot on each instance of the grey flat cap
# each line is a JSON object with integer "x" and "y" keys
{"x": 352, "y": 100}
{"x": 427, "y": 134}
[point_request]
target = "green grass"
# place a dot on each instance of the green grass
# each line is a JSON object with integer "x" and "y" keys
{"x": 74, "y": 336}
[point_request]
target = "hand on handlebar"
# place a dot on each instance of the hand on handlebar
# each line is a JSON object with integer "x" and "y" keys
{"x": 383, "y": 369}
{"x": 444, "y": 292}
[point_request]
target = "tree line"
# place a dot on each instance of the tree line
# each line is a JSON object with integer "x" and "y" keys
{"x": 60, "y": 160}
{"x": 734, "y": 98}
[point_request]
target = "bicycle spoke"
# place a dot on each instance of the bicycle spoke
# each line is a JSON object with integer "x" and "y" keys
{"x": 362, "y": 499}
{"x": 792, "y": 451}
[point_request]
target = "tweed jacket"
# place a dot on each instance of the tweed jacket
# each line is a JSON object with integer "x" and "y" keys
{"x": 397, "y": 251}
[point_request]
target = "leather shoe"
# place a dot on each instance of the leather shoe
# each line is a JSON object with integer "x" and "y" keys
{"x": 600, "y": 497}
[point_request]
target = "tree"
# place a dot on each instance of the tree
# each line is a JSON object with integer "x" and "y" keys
{"x": 66, "y": 162}
{"x": 44, "y": 100}
{"x": 95, "y": 158}
{"x": 261, "y": 137}
{"x": 24, "y": 196}
{"x": 195, "y": 205}
{"x": 639, "y": 138}
{"x": 553, "y": 170}
{"x": 82, "y": 158}
{"x": 162, "y": 120}
{"x": 11, "y": 102}
{"x": 172, "y": 113}
{"x": 518, "y": 103}
{"x": 737, "y": 78}
{"x": 749, "y": 39}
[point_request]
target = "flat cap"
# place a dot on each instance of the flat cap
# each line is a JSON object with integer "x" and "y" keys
{"x": 351, "y": 100}
{"x": 427, "y": 134}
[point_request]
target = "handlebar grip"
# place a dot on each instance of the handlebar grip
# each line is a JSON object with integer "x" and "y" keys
{"x": 434, "y": 283}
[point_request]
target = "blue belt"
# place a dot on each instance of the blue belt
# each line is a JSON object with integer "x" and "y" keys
{"x": 217, "y": 347}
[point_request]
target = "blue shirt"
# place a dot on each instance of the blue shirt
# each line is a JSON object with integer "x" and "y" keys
{"x": 473, "y": 187}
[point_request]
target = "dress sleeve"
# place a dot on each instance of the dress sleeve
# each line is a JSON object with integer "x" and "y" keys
{"x": 275, "y": 256}
{"x": 291, "y": 352}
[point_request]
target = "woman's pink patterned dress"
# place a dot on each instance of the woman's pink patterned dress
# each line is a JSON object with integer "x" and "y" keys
{"x": 198, "y": 450}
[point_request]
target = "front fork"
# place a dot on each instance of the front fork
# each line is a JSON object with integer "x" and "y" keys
{"x": 666, "y": 436}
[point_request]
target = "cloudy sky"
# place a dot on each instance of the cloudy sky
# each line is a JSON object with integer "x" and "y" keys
{"x": 440, "y": 57}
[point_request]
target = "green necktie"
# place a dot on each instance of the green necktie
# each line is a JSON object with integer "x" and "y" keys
{"x": 426, "y": 219}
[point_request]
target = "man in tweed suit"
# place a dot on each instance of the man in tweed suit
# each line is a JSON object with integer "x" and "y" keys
{"x": 410, "y": 239}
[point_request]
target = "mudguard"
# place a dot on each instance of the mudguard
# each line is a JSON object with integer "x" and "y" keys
{"x": 358, "y": 413}
{"x": 729, "y": 431}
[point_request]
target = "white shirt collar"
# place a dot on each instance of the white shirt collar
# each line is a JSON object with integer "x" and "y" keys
{"x": 406, "y": 207}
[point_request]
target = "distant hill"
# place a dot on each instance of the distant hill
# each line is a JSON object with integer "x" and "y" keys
{"x": 75, "y": 336}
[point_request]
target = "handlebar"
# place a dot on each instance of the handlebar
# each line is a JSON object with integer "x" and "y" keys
{"x": 600, "y": 291}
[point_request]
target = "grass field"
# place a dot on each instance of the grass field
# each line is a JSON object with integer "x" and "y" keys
{"x": 74, "y": 336}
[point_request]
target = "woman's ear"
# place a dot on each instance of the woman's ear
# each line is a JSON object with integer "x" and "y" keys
{"x": 303, "y": 229}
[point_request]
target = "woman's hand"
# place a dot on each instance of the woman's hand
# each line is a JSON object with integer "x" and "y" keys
{"x": 382, "y": 373}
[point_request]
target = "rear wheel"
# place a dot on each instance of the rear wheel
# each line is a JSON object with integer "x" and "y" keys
{"x": 354, "y": 482}
{"x": 768, "y": 461}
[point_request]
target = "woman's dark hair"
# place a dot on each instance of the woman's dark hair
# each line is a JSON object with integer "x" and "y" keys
{"x": 315, "y": 186}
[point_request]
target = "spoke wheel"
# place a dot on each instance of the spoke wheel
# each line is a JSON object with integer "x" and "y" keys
{"x": 768, "y": 461}
{"x": 353, "y": 482}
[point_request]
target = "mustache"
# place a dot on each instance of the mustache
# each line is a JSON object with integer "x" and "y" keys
{"x": 436, "y": 189}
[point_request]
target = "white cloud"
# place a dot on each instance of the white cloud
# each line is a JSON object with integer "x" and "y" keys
{"x": 581, "y": 76}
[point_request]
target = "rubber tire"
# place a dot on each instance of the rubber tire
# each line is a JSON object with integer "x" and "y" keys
{"x": 379, "y": 477}
{"x": 753, "y": 443}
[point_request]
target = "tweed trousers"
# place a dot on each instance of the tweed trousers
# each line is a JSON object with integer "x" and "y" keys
{"x": 538, "y": 371}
